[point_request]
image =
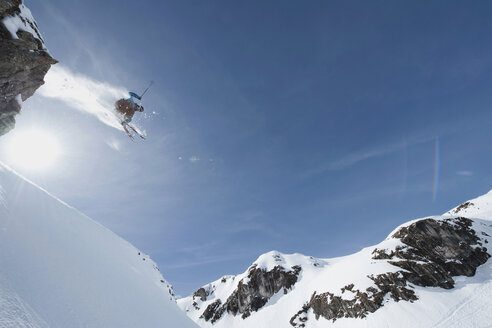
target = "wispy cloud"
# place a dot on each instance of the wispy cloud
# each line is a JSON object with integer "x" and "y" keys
{"x": 114, "y": 144}
{"x": 201, "y": 254}
{"x": 81, "y": 92}
{"x": 202, "y": 261}
{"x": 360, "y": 156}
{"x": 249, "y": 221}
{"x": 465, "y": 173}
{"x": 81, "y": 44}
{"x": 366, "y": 154}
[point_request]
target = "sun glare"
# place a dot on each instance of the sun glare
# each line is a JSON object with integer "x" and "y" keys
{"x": 33, "y": 149}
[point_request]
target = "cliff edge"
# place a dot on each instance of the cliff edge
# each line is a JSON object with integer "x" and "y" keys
{"x": 24, "y": 60}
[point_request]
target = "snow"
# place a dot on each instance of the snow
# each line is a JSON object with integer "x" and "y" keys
{"x": 59, "y": 268}
{"x": 14, "y": 312}
{"x": 466, "y": 305}
{"x": 480, "y": 207}
{"x": 80, "y": 92}
{"x": 337, "y": 272}
{"x": 270, "y": 260}
{"x": 18, "y": 98}
{"x": 24, "y": 21}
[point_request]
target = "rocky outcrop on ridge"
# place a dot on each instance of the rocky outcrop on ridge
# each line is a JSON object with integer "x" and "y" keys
{"x": 431, "y": 254}
{"x": 252, "y": 293}
{"x": 24, "y": 60}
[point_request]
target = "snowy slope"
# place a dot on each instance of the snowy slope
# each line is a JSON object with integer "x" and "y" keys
{"x": 58, "y": 268}
{"x": 432, "y": 301}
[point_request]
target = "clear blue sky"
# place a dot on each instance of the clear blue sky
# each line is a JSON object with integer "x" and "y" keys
{"x": 311, "y": 127}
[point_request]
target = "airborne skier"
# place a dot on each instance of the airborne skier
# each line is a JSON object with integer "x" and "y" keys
{"x": 127, "y": 108}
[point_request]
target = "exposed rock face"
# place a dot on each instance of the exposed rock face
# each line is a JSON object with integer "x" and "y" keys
{"x": 356, "y": 303}
{"x": 438, "y": 250}
{"x": 463, "y": 206}
{"x": 214, "y": 311}
{"x": 24, "y": 60}
{"x": 253, "y": 293}
{"x": 202, "y": 294}
{"x": 433, "y": 252}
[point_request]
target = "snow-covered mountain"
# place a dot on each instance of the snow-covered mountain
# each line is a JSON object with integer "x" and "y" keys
{"x": 430, "y": 272}
{"x": 59, "y": 268}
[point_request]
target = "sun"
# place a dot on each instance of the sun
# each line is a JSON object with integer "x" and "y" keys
{"x": 33, "y": 149}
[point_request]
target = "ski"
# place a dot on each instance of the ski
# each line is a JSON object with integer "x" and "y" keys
{"x": 133, "y": 129}
{"x": 126, "y": 131}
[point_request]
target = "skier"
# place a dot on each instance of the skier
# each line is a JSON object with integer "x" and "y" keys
{"x": 127, "y": 107}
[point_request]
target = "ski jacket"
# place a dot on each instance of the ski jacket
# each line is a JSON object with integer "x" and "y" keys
{"x": 127, "y": 108}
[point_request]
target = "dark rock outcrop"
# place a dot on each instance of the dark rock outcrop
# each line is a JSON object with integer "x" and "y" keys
{"x": 357, "y": 304}
{"x": 213, "y": 312}
{"x": 201, "y": 293}
{"x": 436, "y": 251}
{"x": 23, "y": 64}
{"x": 253, "y": 294}
{"x": 463, "y": 206}
{"x": 433, "y": 252}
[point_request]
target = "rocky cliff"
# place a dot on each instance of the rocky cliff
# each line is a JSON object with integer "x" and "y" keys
{"x": 252, "y": 293}
{"x": 24, "y": 60}
{"x": 423, "y": 274}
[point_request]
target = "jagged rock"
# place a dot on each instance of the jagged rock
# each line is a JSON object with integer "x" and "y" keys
{"x": 463, "y": 206}
{"x": 253, "y": 294}
{"x": 332, "y": 307}
{"x": 23, "y": 63}
{"x": 202, "y": 294}
{"x": 445, "y": 246}
{"x": 213, "y": 311}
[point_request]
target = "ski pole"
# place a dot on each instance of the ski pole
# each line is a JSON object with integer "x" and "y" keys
{"x": 151, "y": 82}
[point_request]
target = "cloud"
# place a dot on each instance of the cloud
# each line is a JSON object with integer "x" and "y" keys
{"x": 81, "y": 92}
{"x": 114, "y": 144}
{"x": 362, "y": 155}
{"x": 189, "y": 263}
{"x": 465, "y": 173}
{"x": 356, "y": 157}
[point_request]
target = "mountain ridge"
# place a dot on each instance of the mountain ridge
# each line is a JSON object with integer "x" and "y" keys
{"x": 421, "y": 259}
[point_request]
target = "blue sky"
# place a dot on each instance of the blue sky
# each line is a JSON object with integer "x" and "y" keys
{"x": 313, "y": 127}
